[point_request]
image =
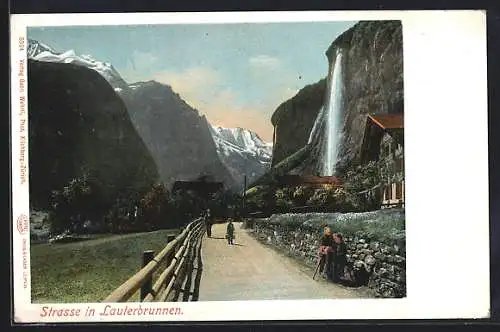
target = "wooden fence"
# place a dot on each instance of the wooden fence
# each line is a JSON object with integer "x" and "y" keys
{"x": 182, "y": 267}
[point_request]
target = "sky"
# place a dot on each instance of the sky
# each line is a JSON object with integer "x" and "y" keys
{"x": 234, "y": 74}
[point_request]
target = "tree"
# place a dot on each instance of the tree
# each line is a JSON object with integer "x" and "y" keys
{"x": 323, "y": 197}
{"x": 186, "y": 205}
{"x": 154, "y": 206}
{"x": 74, "y": 204}
{"x": 260, "y": 198}
{"x": 360, "y": 178}
{"x": 284, "y": 198}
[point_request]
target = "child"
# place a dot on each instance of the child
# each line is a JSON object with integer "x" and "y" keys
{"x": 340, "y": 258}
{"x": 230, "y": 232}
{"x": 325, "y": 252}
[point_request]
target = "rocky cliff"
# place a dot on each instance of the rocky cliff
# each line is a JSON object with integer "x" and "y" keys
{"x": 155, "y": 110}
{"x": 77, "y": 124}
{"x": 372, "y": 69}
{"x": 294, "y": 119}
{"x": 179, "y": 139}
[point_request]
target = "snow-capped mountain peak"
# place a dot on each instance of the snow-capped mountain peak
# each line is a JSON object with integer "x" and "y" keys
{"x": 244, "y": 139}
{"x": 42, "y": 52}
{"x": 35, "y": 48}
{"x": 241, "y": 141}
{"x": 242, "y": 151}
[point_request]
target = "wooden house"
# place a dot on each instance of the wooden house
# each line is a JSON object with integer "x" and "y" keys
{"x": 383, "y": 142}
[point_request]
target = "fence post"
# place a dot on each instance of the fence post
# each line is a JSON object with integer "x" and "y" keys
{"x": 147, "y": 256}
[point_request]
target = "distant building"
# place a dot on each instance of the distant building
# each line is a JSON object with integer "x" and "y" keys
{"x": 204, "y": 186}
{"x": 292, "y": 180}
{"x": 383, "y": 142}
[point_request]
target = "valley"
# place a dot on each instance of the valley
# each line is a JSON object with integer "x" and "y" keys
{"x": 122, "y": 157}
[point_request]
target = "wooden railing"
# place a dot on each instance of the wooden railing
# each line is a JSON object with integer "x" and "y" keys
{"x": 181, "y": 260}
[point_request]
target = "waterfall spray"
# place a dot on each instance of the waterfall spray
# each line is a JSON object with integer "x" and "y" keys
{"x": 332, "y": 119}
{"x": 317, "y": 126}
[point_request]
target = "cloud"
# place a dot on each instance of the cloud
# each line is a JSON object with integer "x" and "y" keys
{"x": 223, "y": 111}
{"x": 272, "y": 76}
{"x": 264, "y": 62}
{"x": 282, "y": 94}
{"x": 212, "y": 94}
{"x": 206, "y": 90}
{"x": 197, "y": 85}
{"x": 139, "y": 66}
{"x": 140, "y": 60}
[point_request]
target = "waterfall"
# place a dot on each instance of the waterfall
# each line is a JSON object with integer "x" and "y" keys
{"x": 326, "y": 132}
{"x": 333, "y": 116}
{"x": 316, "y": 129}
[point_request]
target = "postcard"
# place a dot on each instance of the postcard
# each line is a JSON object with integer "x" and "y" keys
{"x": 248, "y": 166}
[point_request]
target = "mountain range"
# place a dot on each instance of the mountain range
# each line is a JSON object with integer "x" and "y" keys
{"x": 183, "y": 144}
{"x": 242, "y": 151}
{"x": 80, "y": 132}
{"x": 42, "y": 52}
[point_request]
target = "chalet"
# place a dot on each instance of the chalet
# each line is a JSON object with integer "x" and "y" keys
{"x": 204, "y": 185}
{"x": 383, "y": 142}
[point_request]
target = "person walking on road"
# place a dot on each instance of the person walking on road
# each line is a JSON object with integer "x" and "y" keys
{"x": 230, "y": 232}
{"x": 208, "y": 222}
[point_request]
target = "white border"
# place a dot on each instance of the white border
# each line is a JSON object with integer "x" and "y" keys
{"x": 446, "y": 172}
{"x": 20, "y": 185}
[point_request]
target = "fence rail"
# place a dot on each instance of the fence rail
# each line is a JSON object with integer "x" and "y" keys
{"x": 182, "y": 262}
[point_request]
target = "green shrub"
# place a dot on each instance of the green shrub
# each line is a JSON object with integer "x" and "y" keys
{"x": 384, "y": 225}
{"x": 301, "y": 195}
{"x": 260, "y": 198}
{"x": 79, "y": 200}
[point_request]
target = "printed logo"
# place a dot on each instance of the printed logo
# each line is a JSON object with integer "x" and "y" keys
{"x": 22, "y": 224}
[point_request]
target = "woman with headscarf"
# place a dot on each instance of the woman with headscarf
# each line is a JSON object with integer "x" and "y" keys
{"x": 340, "y": 258}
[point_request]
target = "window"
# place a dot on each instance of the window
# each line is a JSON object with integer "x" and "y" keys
{"x": 399, "y": 164}
{"x": 399, "y": 191}
{"x": 388, "y": 192}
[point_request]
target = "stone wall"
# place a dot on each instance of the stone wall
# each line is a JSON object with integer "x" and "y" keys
{"x": 376, "y": 259}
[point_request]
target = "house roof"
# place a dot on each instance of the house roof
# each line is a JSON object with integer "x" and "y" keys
{"x": 387, "y": 121}
{"x": 376, "y": 125}
{"x": 197, "y": 185}
{"x": 293, "y": 179}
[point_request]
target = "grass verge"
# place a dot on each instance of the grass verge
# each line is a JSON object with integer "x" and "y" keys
{"x": 89, "y": 271}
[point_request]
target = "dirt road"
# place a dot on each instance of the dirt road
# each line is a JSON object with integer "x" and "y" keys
{"x": 248, "y": 270}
